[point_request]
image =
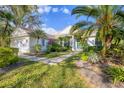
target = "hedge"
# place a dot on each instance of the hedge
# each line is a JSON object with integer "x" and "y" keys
{"x": 8, "y": 56}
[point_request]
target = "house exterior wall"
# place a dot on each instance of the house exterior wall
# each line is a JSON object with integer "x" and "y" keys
{"x": 20, "y": 39}
{"x": 42, "y": 42}
{"x": 91, "y": 41}
{"x": 76, "y": 46}
{"x": 22, "y": 43}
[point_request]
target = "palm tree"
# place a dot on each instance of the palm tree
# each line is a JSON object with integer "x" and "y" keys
{"x": 106, "y": 20}
{"x": 11, "y": 17}
{"x": 5, "y": 27}
{"x": 21, "y": 11}
{"x": 38, "y": 34}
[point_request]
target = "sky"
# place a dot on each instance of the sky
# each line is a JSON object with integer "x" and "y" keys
{"x": 57, "y": 18}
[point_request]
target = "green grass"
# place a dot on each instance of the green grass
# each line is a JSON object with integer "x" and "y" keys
{"x": 116, "y": 74}
{"x": 63, "y": 75}
{"x": 53, "y": 54}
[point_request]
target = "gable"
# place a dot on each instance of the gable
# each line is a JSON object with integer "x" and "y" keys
{"x": 19, "y": 33}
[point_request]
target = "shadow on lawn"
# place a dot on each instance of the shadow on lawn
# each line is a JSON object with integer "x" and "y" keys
{"x": 22, "y": 62}
{"x": 37, "y": 74}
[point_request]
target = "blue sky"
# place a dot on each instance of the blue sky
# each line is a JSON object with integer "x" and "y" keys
{"x": 57, "y": 17}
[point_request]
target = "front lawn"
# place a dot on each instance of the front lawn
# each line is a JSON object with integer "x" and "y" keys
{"x": 55, "y": 54}
{"x": 37, "y": 74}
{"x": 50, "y": 55}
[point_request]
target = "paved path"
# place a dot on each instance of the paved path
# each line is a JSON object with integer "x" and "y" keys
{"x": 49, "y": 60}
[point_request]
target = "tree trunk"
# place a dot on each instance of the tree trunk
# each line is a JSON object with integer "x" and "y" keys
{"x": 6, "y": 26}
{"x": 106, "y": 45}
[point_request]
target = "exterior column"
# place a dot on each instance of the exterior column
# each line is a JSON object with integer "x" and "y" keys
{"x": 59, "y": 42}
{"x": 73, "y": 43}
{"x": 70, "y": 42}
{"x": 76, "y": 45}
{"x": 63, "y": 43}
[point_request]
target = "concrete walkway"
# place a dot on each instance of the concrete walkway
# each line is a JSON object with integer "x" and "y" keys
{"x": 49, "y": 60}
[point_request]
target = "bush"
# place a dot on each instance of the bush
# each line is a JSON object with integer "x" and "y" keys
{"x": 65, "y": 48}
{"x": 91, "y": 56}
{"x": 15, "y": 50}
{"x": 8, "y": 56}
{"x": 54, "y": 47}
{"x": 37, "y": 48}
{"x": 115, "y": 73}
{"x": 84, "y": 57}
{"x": 94, "y": 58}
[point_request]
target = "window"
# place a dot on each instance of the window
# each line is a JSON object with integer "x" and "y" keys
{"x": 43, "y": 42}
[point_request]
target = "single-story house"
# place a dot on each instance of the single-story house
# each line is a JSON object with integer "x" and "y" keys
{"x": 73, "y": 42}
{"x": 22, "y": 40}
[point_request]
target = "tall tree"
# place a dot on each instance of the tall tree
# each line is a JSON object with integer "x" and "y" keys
{"x": 11, "y": 17}
{"x": 20, "y": 11}
{"x": 5, "y": 27}
{"x": 107, "y": 19}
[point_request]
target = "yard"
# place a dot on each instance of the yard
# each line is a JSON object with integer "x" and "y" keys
{"x": 56, "y": 61}
{"x": 37, "y": 74}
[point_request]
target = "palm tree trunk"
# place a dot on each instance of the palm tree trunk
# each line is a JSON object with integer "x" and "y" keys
{"x": 106, "y": 44}
{"x": 104, "y": 50}
{"x": 6, "y": 26}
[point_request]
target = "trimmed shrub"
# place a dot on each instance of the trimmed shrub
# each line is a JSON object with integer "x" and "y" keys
{"x": 8, "y": 56}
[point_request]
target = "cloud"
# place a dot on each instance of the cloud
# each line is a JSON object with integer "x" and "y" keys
{"x": 55, "y": 9}
{"x": 44, "y": 9}
{"x": 52, "y": 31}
{"x": 49, "y": 30}
{"x": 65, "y": 10}
{"x": 66, "y": 30}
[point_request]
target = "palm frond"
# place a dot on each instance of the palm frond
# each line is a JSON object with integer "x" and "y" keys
{"x": 85, "y": 11}
{"x": 79, "y": 25}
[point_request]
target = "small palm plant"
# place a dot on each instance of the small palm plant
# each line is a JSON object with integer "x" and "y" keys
{"x": 38, "y": 34}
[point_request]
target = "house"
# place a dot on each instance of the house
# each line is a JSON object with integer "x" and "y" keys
{"x": 73, "y": 42}
{"x": 22, "y": 40}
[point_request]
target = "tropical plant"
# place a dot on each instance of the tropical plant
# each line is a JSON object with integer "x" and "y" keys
{"x": 7, "y": 56}
{"x": 5, "y": 27}
{"x": 54, "y": 47}
{"x": 84, "y": 57}
{"x": 38, "y": 34}
{"x": 115, "y": 73}
{"x": 94, "y": 57}
{"x": 11, "y": 17}
{"x": 106, "y": 20}
{"x": 37, "y": 48}
{"x": 20, "y": 12}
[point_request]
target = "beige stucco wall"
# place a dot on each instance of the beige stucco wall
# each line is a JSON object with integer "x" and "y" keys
{"x": 33, "y": 41}
{"x": 21, "y": 39}
{"x": 22, "y": 43}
